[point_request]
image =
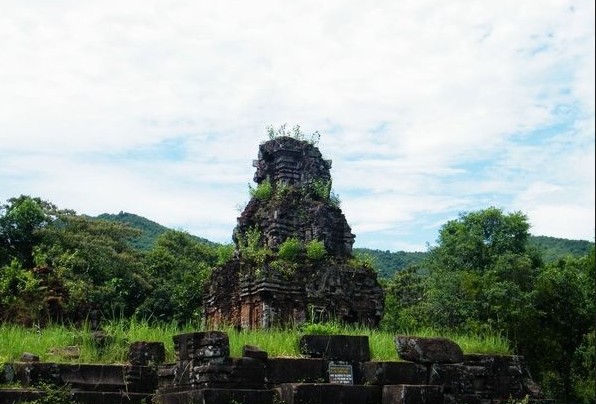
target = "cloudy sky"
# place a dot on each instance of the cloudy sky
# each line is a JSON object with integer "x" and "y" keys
{"x": 427, "y": 108}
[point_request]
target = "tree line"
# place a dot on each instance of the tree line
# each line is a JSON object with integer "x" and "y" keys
{"x": 483, "y": 276}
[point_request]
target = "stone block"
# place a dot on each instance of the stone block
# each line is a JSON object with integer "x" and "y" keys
{"x": 290, "y": 370}
{"x": 18, "y": 395}
{"x": 381, "y": 373}
{"x": 141, "y": 378}
{"x": 307, "y": 393}
{"x": 455, "y": 377}
{"x": 201, "y": 345}
{"x": 351, "y": 348}
{"x": 412, "y": 394}
{"x": 95, "y": 377}
{"x": 249, "y": 351}
{"x": 215, "y": 396}
{"x": 238, "y": 373}
{"x": 146, "y": 353}
{"x": 32, "y": 373}
{"x": 428, "y": 350}
{"x": 110, "y": 397}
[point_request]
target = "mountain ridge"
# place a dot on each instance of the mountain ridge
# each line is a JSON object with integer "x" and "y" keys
{"x": 386, "y": 262}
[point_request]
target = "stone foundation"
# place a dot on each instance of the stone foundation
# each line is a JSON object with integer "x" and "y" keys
{"x": 205, "y": 373}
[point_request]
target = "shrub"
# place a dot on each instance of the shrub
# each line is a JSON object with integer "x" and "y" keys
{"x": 334, "y": 199}
{"x": 289, "y": 250}
{"x": 262, "y": 192}
{"x": 284, "y": 267}
{"x": 225, "y": 253}
{"x": 250, "y": 246}
{"x": 295, "y": 133}
{"x": 321, "y": 189}
{"x": 325, "y": 328}
{"x": 315, "y": 250}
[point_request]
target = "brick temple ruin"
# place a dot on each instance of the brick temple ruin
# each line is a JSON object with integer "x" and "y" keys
{"x": 260, "y": 293}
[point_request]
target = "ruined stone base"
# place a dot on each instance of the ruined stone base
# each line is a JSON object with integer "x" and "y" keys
{"x": 336, "y": 369}
{"x": 215, "y": 396}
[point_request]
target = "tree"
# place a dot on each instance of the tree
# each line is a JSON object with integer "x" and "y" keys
{"x": 404, "y": 294}
{"x": 21, "y": 219}
{"x": 178, "y": 266}
{"x": 563, "y": 327}
{"x": 476, "y": 240}
{"x": 99, "y": 267}
{"x": 482, "y": 272}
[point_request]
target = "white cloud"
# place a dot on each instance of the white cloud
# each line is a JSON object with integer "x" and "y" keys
{"x": 426, "y": 108}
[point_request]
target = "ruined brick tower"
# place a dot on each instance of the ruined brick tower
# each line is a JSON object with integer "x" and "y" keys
{"x": 277, "y": 275}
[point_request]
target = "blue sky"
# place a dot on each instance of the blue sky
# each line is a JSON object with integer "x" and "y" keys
{"x": 427, "y": 108}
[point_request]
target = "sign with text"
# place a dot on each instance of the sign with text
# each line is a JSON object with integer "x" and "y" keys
{"x": 340, "y": 373}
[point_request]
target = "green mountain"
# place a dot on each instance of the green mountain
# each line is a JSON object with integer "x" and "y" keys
{"x": 150, "y": 230}
{"x": 553, "y": 248}
{"x": 386, "y": 262}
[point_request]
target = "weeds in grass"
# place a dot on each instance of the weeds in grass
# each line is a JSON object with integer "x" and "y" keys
{"x": 277, "y": 342}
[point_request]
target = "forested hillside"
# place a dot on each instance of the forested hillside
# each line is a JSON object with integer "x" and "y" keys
{"x": 387, "y": 263}
{"x": 552, "y": 248}
{"x": 150, "y": 230}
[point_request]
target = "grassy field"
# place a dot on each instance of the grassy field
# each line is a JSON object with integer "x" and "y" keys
{"x": 59, "y": 343}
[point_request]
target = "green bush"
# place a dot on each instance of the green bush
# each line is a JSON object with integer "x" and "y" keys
{"x": 326, "y": 328}
{"x": 295, "y": 133}
{"x": 315, "y": 250}
{"x": 284, "y": 267}
{"x": 289, "y": 250}
{"x": 225, "y": 253}
{"x": 334, "y": 199}
{"x": 262, "y": 192}
{"x": 321, "y": 189}
{"x": 251, "y": 248}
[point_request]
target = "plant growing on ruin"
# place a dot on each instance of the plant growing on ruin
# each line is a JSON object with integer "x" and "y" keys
{"x": 263, "y": 190}
{"x": 225, "y": 253}
{"x": 334, "y": 199}
{"x": 281, "y": 190}
{"x": 53, "y": 394}
{"x": 321, "y": 189}
{"x": 295, "y": 133}
{"x": 284, "y": 267}
{"x": 362, "y": 260}
{"x": 250, "y": 246}
{"x": 315, "y": 250}
{"x": 290, "y": 249}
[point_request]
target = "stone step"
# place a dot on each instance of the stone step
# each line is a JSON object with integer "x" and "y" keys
{"x": 316, "y": 393}
{"x": 215, "y": 396}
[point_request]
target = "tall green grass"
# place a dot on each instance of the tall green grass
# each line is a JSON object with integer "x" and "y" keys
{"x": 51, "y": 342}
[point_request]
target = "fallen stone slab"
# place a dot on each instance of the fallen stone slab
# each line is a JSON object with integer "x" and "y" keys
{"x": 428, "y": 350}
